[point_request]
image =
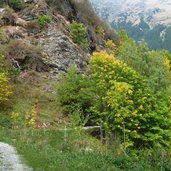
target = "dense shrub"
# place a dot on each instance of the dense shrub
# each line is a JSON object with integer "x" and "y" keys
{"x": 44, "y": 20}
{"x": 127, "y": 104}
{"x": 71, "y": 94}
{"x": 15, "y": 4}
{"x": 116, "y": 96}
{"x": 110, "y": 46}
{"x": 150, "y": 64}
{"x": 78, "y": 33}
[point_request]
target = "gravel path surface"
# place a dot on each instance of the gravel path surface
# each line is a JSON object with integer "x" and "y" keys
{"x": 10, "y": 160}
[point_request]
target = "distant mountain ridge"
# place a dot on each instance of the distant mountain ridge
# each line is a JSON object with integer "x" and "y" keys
{"x": 148, "y": 20}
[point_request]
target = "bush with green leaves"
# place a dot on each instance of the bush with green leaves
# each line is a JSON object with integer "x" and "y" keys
{"x": 15, "y": 4}
{"x": 70, "y": 92}
{"x": 116, "y": 96}
{"x": 149, "y": 63}
{"x": 44, "y": 20}
{"x": 78, "y": 34}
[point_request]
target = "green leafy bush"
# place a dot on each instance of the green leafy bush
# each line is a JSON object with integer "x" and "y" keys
{"x": 78, "y": 34}
{"x": 150, "y": 64}
{"x": 15, "y": 4}
{"x": 116, "y": 96}
{"x": 44, "y": 20}
{"x": 126, "y": 104}
{"x": 71, "y": 94}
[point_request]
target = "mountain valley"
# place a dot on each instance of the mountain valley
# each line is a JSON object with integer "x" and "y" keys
{"x": 148, "y": 20}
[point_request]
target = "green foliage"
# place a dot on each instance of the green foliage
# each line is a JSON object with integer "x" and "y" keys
{"x": 44, "y": 20}
{"x": 100, "y": 31}
{"x": 28, "y": 119}
{"x": 4, "y": 119}
{"x": 150, "y": 64}
{"x": 110, "y": 46}
{"x": 48, "y": 151}
{"x": 78, "y": 33}
{"x": 2, "y": 35}
{"x": 15, "y": 4}
{"x": 123, "y": 34}
{"x": 118, "y": 97}
{"x": 125, "y": 100}
{"x": 70, "y": 92}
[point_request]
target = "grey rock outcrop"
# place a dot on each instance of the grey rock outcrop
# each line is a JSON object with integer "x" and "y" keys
{"x": 60, "y": 52}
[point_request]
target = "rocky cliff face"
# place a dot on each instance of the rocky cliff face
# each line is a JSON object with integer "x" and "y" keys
{"x": 60, "y": 52}
{"x": 28, "y": 45}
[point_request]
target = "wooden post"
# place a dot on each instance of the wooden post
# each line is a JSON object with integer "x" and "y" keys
{"x": 101, "y": 134}
{"x": 124, "y": 137}
{"x": 65, "y": 134}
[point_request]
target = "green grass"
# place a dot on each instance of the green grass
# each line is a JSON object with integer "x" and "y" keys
{"x": 24, "y": 99}
{"x": 46, "y": 150}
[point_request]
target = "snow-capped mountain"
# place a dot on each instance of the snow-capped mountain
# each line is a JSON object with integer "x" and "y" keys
{"x": 154, "y": 12}
{"x": 148, "y": 20}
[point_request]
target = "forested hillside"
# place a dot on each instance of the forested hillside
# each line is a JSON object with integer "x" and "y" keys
{"x": 76, "y": 95}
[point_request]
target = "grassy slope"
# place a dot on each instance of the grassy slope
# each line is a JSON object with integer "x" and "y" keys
{"x": 45, "y": 149}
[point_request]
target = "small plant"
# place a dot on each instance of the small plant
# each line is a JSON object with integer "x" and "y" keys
{"x": 5, "y": 88}
{"x": 29, "y": 119}
{"x": 44, "y": 20}
{"x": 110, "y": 46}
{"x": 15, "y": 4}
{"x": 100, "y": 31}
{"x": 78, "y": 34}
{"x": 3, "y": 37}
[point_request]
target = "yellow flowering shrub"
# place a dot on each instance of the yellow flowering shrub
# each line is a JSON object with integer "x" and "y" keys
{"x": 5, "y": 88}
{"x": 29, "y": 119}
{"x": 110, "y": 46}
{"x": 125, "y": 103}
